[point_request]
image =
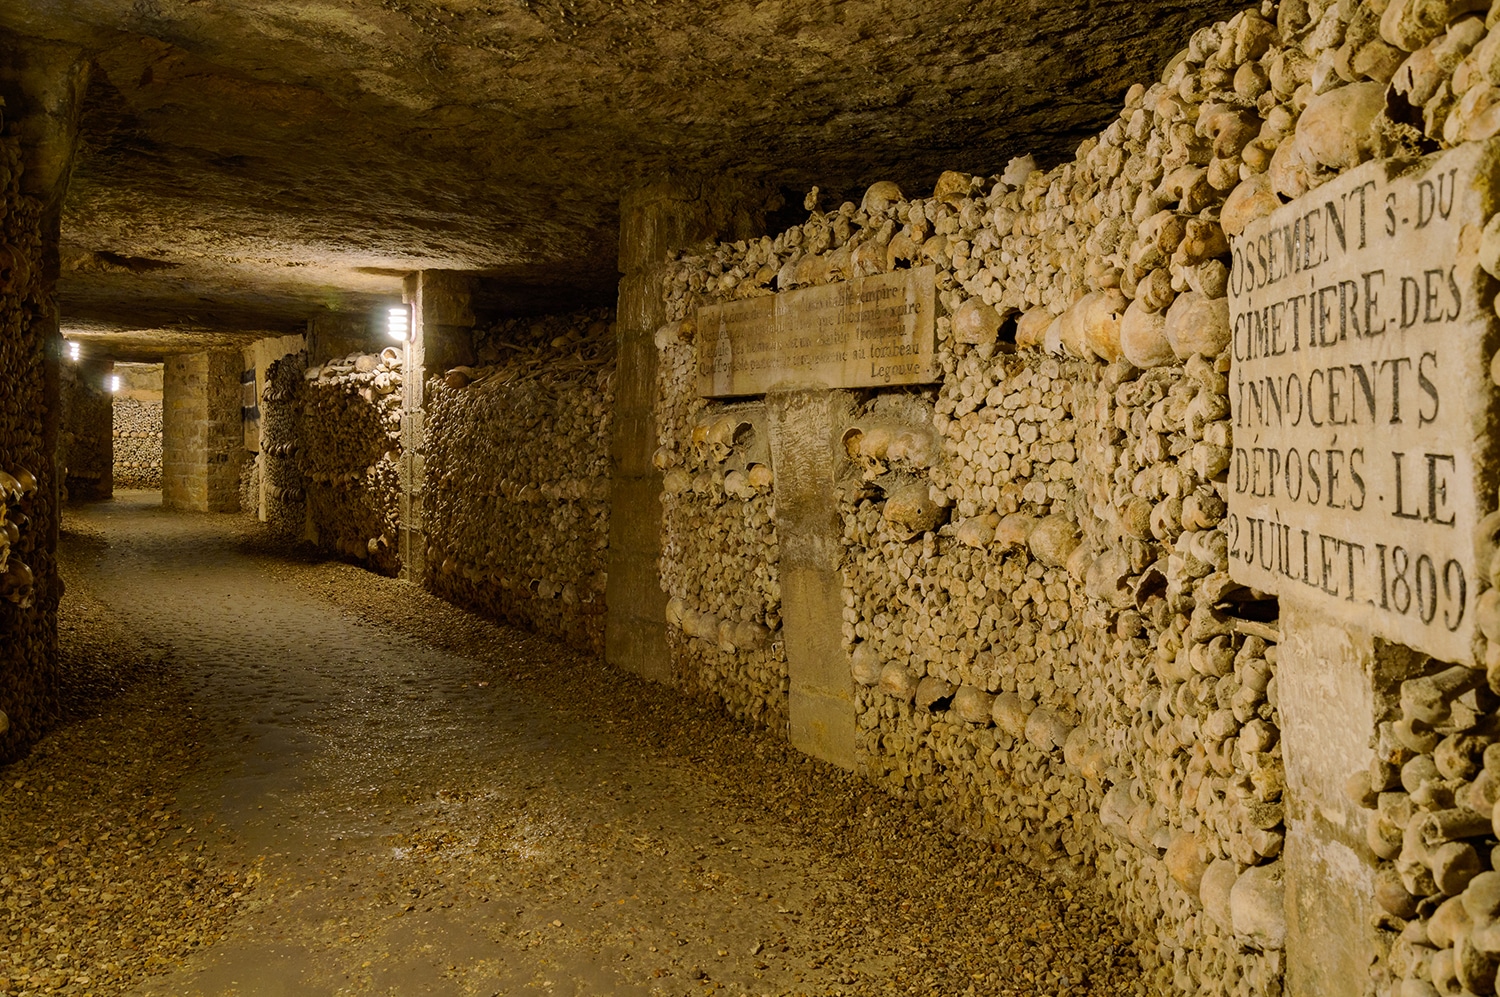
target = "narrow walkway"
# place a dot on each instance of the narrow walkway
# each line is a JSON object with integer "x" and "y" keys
{"x": 367, "y": 791}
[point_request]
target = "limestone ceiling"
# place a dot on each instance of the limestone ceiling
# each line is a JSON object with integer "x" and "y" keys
{"x": 245, "y": 164}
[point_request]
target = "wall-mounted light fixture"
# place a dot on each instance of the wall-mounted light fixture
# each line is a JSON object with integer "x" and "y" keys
{"x": 73, "y": 351}
{"x": 114, "y": 382}
{"x": 399, "y": 323}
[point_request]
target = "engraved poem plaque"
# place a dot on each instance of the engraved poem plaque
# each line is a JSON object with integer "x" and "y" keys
{"x": 868, "y": 332}
{"x": 1360, "y": 397}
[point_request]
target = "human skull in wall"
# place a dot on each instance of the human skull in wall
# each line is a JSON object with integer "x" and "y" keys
{"x": 720, "y": 558}
{"x": 17, "y": 487}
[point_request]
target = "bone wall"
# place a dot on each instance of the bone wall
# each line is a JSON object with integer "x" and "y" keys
{"x": 85, "y": 445}
{"x": 281, "y": 484}
{"x": 720, "y": 550}
{"x": 29, "y": 587}
{"x": 137, "y": 441}
{"x": 347, "y": 449}
{"x": 518, "y": 475}
{"x": 1042, "y": 631}
{"x": 327, "y": 471}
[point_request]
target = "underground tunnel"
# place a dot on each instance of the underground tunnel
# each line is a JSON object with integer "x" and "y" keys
{"x": 650, "y": 498}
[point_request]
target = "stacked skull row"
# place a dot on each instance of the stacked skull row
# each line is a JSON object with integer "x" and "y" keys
{"x": 17, "y": 493}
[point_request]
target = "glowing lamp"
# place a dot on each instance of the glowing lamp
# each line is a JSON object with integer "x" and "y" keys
{"x": 400, "y": 323}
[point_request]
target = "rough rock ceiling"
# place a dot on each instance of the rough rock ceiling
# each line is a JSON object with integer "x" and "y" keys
{"x": 247, "y": 163}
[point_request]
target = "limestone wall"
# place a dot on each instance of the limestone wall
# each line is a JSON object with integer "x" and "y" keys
{"x": 517, "y": 503}
{"x": 1042, "y": 634}
{"x": 29, "y": 587}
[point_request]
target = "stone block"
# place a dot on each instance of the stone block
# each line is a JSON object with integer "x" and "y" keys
{"x": 638, "y": 646}
{"x": 1327, "y": 676}
{"x": 635, "y": 516}
{"x": 822, "y": 726}
{"x": 657, "y": 219}
{"x": 801, "y": 426}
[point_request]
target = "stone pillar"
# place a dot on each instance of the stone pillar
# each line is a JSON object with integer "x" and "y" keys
{"x": 804, "y": 427}
{"x": 41, "y": 86}
{"x": 442, "y": 336}
{"x": 655, "y": 221}
{"x": 202, "y": 437}
{"x": 1334, "y": 684}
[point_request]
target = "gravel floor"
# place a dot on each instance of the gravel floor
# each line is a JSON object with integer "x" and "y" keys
{"x": 312, "y": 780}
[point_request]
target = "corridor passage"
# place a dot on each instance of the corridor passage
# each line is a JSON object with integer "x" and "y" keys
{"x": 297, "y": 777}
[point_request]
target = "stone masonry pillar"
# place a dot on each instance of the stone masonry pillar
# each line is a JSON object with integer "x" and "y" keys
{"x": 441, "y": 336}
{"x": 1335, "y": 684}
{"x": 655, "y": 221}
{"x": 804, "y": 426}
{"x": 203, "y": 441}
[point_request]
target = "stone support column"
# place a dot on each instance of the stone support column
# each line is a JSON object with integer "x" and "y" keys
{"x": 442, "y": 336}
{"x": 655, "y": 221}
{"x": 804, "y": 427}
{"x": 1334, "y": 685}
{"x": 202, "y": 435}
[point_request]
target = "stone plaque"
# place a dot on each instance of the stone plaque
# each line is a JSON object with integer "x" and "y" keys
{"x": 862, "y": 333}
{"x": 1361, "y": 404}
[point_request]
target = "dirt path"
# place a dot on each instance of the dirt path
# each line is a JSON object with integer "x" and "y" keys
{"x": 376, "y": 793}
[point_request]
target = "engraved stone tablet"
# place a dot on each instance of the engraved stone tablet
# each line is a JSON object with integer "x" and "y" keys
{"x": 1363, "y": 413}
{"x": 869, "y": 332}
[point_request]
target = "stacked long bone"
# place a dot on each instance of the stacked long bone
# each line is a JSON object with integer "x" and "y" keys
{"x": 283, "y": 484}
{"x": 518, "y": 478}
{"x": 720, "y": 564}
{"x": 349, "y": 438}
